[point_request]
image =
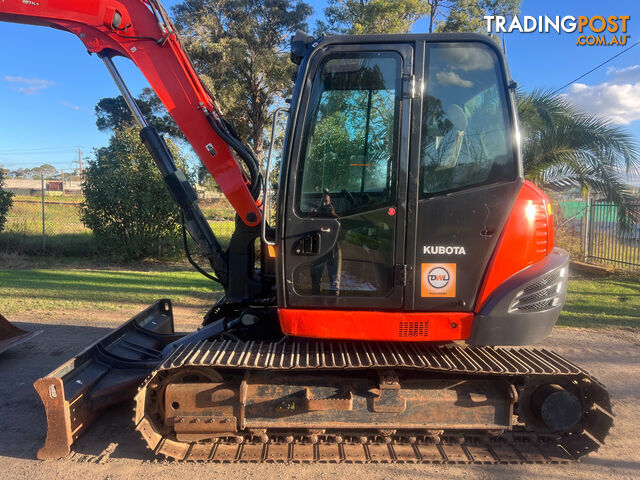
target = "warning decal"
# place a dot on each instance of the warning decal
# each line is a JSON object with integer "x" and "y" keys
{"x": 438, "y": 280}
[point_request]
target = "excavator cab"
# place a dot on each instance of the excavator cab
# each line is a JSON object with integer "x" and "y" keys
{"x": 371, "y": 115}
{"x": 401, "y": 169}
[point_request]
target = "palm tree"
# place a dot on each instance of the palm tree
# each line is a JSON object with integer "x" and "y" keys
{"x": 562, "y": 147}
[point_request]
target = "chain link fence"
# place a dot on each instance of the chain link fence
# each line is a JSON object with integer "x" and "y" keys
{"x": 45, "y": 219}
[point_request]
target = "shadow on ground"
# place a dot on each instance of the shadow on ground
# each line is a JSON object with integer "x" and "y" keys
{"x": 23, "y": 422}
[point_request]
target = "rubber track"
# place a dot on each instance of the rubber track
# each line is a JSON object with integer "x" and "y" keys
{"x": 516, "y": 446}
{"x": 397, "y": 451}
{"x": 293, "y": 355}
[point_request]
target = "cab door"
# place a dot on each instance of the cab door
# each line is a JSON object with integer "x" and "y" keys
{"x": 344, "y": 219}
{"x": 465, "y": 172}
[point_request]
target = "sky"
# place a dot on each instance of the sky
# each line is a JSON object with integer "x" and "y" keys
{"x": 49, "y": 85}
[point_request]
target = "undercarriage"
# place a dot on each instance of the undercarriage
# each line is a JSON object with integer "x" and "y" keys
{"x": 295, "y": 400}
{"x": 292, "y": 401}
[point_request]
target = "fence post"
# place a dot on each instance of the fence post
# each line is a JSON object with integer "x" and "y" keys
{"x": 587, "y": 230}
{"x": 43, "y": 224}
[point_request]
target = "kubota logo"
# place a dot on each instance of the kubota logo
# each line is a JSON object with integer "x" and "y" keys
{"x": 438, "y": 277}
{"x": 442, "y": 250}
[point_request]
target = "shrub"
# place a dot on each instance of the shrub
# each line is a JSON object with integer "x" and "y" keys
{"x": 5, "y": 201}
{"x": 127, "y": 204}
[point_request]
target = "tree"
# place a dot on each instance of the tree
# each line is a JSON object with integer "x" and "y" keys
{"x": 46, "y": 171}
{"x": 5, "y": 201}
{"x": 468, "y": 15}
{"x": 239, "y": 48}
{"x": 127, "y": 204}
{"x": 113, "y": 112}
{"x": 398, "y": 16}
{"x": 437, "y": 8}
{"x": 372, "y": 16}
{"x": 20, "y": 173}
{"x": 563, "y": 146}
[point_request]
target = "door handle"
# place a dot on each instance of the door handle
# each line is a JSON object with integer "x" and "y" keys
{"x": 308, "y": 244}
{"x": 266, "y": 205}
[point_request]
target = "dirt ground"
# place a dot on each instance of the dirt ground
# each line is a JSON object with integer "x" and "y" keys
{"x": 111, "y": 449}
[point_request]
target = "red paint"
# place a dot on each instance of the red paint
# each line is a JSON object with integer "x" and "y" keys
{"x": 167, "y": 68}
{"x": 379, "y": 326}
{"x": 526, "y": 239}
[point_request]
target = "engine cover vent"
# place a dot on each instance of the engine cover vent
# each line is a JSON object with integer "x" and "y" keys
{"x": 413, "y": 329}
{"x": 542, "y": 295}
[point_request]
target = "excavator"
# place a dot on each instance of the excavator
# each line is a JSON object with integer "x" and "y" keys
{"x": 380, "y": 303}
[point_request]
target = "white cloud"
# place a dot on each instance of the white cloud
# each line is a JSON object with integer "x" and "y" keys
{"x": 64, "y": 103}
{"x": 452, "y": 78}
{"x": 28, "y": 86}
{"x": 618, "y": 98}
{"x": 466, "y": 59}
{"x": 629, "y": 74}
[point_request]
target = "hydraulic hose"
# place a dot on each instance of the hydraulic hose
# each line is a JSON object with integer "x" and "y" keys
{"x": 255, "y": 178}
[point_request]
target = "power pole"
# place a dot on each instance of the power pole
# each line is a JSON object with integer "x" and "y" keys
{"x": 43, "y": 222}
{"x": 79, "y": 162}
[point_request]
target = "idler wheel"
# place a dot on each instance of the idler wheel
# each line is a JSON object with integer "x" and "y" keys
{"x": 557, "y": 408}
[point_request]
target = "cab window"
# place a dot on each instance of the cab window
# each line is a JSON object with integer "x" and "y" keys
{"x": 466, "y": 136}
{"x": 349, "y": 146}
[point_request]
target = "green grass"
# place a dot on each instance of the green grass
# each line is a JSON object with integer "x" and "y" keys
{"x": 602, "y": 302}
{"x": 72, "y": 245}
{"x": 223, "y": 230}
{"x": 218, "y": 208}
{"x": 62, "y": 215}
{"x": 32, "y": 289}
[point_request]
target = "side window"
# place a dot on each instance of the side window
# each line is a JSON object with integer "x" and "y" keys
{"x": 466, "y": 135}
{"x": 349, "y": 148}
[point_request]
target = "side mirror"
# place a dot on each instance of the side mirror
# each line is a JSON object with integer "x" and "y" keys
{"x": 300, "y": 46}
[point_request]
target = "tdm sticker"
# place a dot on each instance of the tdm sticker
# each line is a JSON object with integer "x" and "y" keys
{"x": 438, "y": 280}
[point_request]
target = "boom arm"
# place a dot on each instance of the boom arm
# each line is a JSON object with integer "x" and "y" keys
{"x": 141, "y": 30}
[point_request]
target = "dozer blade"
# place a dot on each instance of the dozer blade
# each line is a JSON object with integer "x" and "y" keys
{"x": 105, "y": 373}
{"x": 10, "y": 335}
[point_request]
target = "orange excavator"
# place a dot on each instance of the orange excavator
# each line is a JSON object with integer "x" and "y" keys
{"x": 382, "y": 316}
